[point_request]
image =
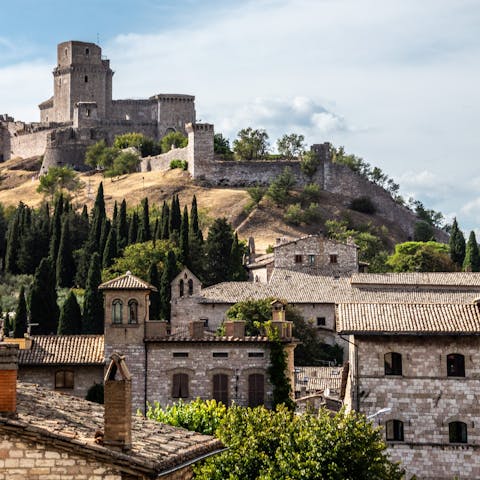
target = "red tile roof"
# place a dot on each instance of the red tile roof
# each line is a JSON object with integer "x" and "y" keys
{"x": 127, "y": 282}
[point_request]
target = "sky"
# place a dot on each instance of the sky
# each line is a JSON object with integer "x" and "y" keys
{"x": 395, "y": 82}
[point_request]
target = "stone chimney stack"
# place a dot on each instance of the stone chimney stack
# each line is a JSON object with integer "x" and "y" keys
{"x": 196, "y": 328}
{"x": 235, "y": 328}
{"x": 8, "y": 379}
{"x": 283, "y": 327}
{"x": 118, "y": 405}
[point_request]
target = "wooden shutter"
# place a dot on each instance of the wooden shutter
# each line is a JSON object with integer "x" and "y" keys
{"x": 220, "y": 388}
{"x": 180, "y": 385}
{"x": 256, "y": 389}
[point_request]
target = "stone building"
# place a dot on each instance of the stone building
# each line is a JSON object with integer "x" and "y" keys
{"x": 46, "y": 435}
{"x": 421, "y": 363}
{"x": 187, "y": 362}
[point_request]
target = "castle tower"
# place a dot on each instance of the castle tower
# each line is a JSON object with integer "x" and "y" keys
{"x": 200, "y": 148}
{"x": 80, "y": 76}
{"x": 126, "y": 314}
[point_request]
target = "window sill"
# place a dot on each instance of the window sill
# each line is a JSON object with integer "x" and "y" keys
{"x": 124, "y": 325}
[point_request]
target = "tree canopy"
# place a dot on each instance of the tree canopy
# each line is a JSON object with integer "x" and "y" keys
{"x": 291, "y": 145}
{"x": 251, "y": 144}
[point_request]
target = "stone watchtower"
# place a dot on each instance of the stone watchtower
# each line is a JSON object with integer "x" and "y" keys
{"x": 81, "y": 75}
{"x": 127, "y": 302}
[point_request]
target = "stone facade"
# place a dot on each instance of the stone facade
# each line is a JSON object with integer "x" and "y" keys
{"x": 424, "y": 397}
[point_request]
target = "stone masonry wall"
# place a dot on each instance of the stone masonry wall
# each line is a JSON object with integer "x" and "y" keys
{"x": 22, "y": 459}
{"x": 162, "y": 161}
{"x": 425, "y": 399}
{"x": 28, "y": 145}
{"x": 201, "y": 365}
{"x": 134, "y": 110}
{"x": 84, "y": 377}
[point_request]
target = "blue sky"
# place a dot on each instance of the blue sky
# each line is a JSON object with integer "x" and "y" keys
{"x": 395, "y": 82}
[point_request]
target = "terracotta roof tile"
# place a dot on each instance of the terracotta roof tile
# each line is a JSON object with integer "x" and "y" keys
{"x": 378, "y": 318}
{"x": 318, "y": 378}
{"x": 447, "y": 279}
{"x": 52, "y": 417}
{"x": 127, "y": 282}
{"x": 64, "y": 349}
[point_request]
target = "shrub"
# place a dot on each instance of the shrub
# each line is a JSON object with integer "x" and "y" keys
{"x": 173, "y": 140}
{"x": 311, "y": 193}
{"x": 95, "y": 393}
{"x": 294, "y": 214}
{"x": 311, "y": 214}
{"x": 145, "y": 145}
{"x": 125, "y": 162}
{"x": 256, "y": 193}
{"x": 176, "y": 163}
{"x": 363, "y": 205}
{"x": 279, "y": 189}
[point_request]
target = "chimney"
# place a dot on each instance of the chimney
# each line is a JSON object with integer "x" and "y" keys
{"x": 283, "y": 327}
{"x": 8, "y": 378}
{"x": 235, "y": 328}
{"x": 118, "y": 405}
{"x": 196, "y": 328}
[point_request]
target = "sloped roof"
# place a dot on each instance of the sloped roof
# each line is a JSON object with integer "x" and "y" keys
{"x": 407, "y": 318}
{"x": 64, "y": 349}
{"x": 127, "y": 282}
{"x": 439, "y": 279}
{"x": 319, "y": 378}
{"x": 70, "y": 423}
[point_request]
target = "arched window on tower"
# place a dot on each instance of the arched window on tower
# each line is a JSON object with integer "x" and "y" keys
{"x": 132, "y": 311}
{"x": 181, "y": 287}
{"x": 190, "y": 287}
{"x": 117, "y": 307}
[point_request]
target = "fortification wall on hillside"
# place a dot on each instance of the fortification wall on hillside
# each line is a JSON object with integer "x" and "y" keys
{"x": 28, "y": 145}
{"x": 134, "y": 110}
{"x": 162, "y": 161}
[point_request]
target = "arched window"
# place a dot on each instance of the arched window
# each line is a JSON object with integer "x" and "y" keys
{"x": 132, "y": 311}
{"x": 455, "y": 365}
{"x": 180, "y": 385}
{"x": 256, "y": 389}
{"x": 190, "y": 287}
{"x": 393, "y": 363}
{"x": 181, "y": 288}
{"x": 394, "y": 431}
{"x": 457, "y": 432}
{"x": 220, "y": 388}
{"x": 117, "y": 307}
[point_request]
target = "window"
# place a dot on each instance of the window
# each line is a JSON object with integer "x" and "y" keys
{"x": 255, "y": 354}
{"x": 180, "y": 385}
{"x": 132, "y": 311}
{"x": 393, "y": 363}
{"x": 321, "y": 321}
{"x": 394, "y": 430}
{"x": 311, "y": 260}
{"x": 117, "y": 306}
{"x": 87, "y": 112}
{"x": 86, "y": 78}
{"x": 220, "y": 388}
{"x": 190, "y": 287}
{"x": 205, "y": 322}
{"x": 87, "y": 51}
{"x": 220, "y": 354}
{"x": 180, "y": 354}
{"x": 457, "y": 432}
{"x": 64, "y": 379}
{"x": 298, "y": 259}
{"x": 256, "y": 389}
{"x": 181, "y": 288}
{"x": 334, "y": 258}
{"x": 455, "y": 365}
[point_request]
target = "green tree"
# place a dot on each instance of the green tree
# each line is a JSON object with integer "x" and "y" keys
{"x": 291, "y": 145}
{"x": 144, "y": 233}
{"x": 221, "y": 145}
{"x": 93, "y": 317}
{"x": 20, "y": 323}
{"x": 133, "y": 229}
{"x": 309, "y": 163}
{"x": 65, "y": 265}
{"x": 279, "y": 190}
{"x": 110, "y": 251}
{"x": 421, "y": 257}
{"x": 168, "y": 273}
{"x": 145, "y": 145}
{"x": 154, "y": 296}
{"x": 14, "y": 233}
{"x": 423, "y": 232}
{"x": 456, "y": 244}
{"x": 173, "y": 140}
{"x": 164, "y": 227}
{"x": 218, "y": 248}
{"x": 184, "y": 243}
{"x": 70, "y": 317}
{"x": 238, "y": 272}
{"x": 122, "y": 227}
{"x": 56, "y": 227}
{"x": 251, "y": 144}
{"x": 123, "y": 163}
{"x": 43, "y": 299}
{"x": 471, "y": 263}
{"x": 175, "y": 220}
{"x": 58, "y": 179}
{"x": 7, "y": 325}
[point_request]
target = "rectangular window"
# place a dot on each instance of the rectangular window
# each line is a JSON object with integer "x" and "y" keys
{"x": 298, "y": 259}
{"x": 64, "y": 379}
{"x": 180, "y": 385}
{"x": 220, "y": 354}
{"x": 256, "y": 389}
{"x": 311, "y": 260}
{"x": 255, "y": 354}
{"x": 205, "y": 322}
{"x": 180, "y": 354}
{"x": 321, "y": 321}
{"x": 334, "y": 258}
{"x": 220, "y": 388}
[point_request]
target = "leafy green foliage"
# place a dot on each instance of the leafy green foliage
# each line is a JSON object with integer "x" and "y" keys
{"x": 311, "y": 193}
{"x": 99, "y": 155}
{"x": 181, "y": 164}
{"x": 123, "y": 163}
{"x": 296, "y": 215}
{"x": 291, "y": 145}
{"x": 221, "y": 146}
{"x": 433, "y": 218}
{"x": 421, "y": 257}
{"x": 423, "y": 232}
{"x": 309, "y": 163}
{"x": 471, "y": 263}
{"x": 173, "y": 140}
{"x": 93, "y": 317}
{"x": 58, "y": 179}
{"x": 203, "y": 416}
{"x": 280, "y": 188}
{"x": 456, "y": 244}
{"x": 95, "y": 393}
{"x": 363, "y": 205}
{"x": 20, "y": 322}
{"x": 145, "y": 145}
{"x": 251, "y": 144}
{"x": 256, "y": 193}
{"x": 70, "y": 322}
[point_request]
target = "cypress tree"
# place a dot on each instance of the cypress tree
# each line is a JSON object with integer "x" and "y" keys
{"x": 11, "y": 256}
{"x": 30, "y": 250}
{"x": 43, "y": 299}
{"x": 165, "y": 222}
{"x": 106, "y": 227}
{"x": 156, "y": 231}
{"x": 115, "y": 213}
{"x": 169, "y": 271}
{"x": 237, "y": 270}
{"x": 70, "y": 317}
{"x": 175, "y": 215}
{"x": 56, "y": 228}
{"x": 218, "y": 249}
{"x": 20, "y": 323}
{"x": 93, "y": 302}
{"x": 122, "y": 227}
{"x": 110, "y": 251}
{"x": 133, "y": 229}
{"x": 194, "y": 225}
{"x": 154, "y": 296}
{"x": 144, "y": 229}
{"x": 65, "y": 266}
{"x": 7, "y": 325}
{"x": 184, "y": 252}
{"x": 471, "y": 262}
{"x": 456, "y": 244}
